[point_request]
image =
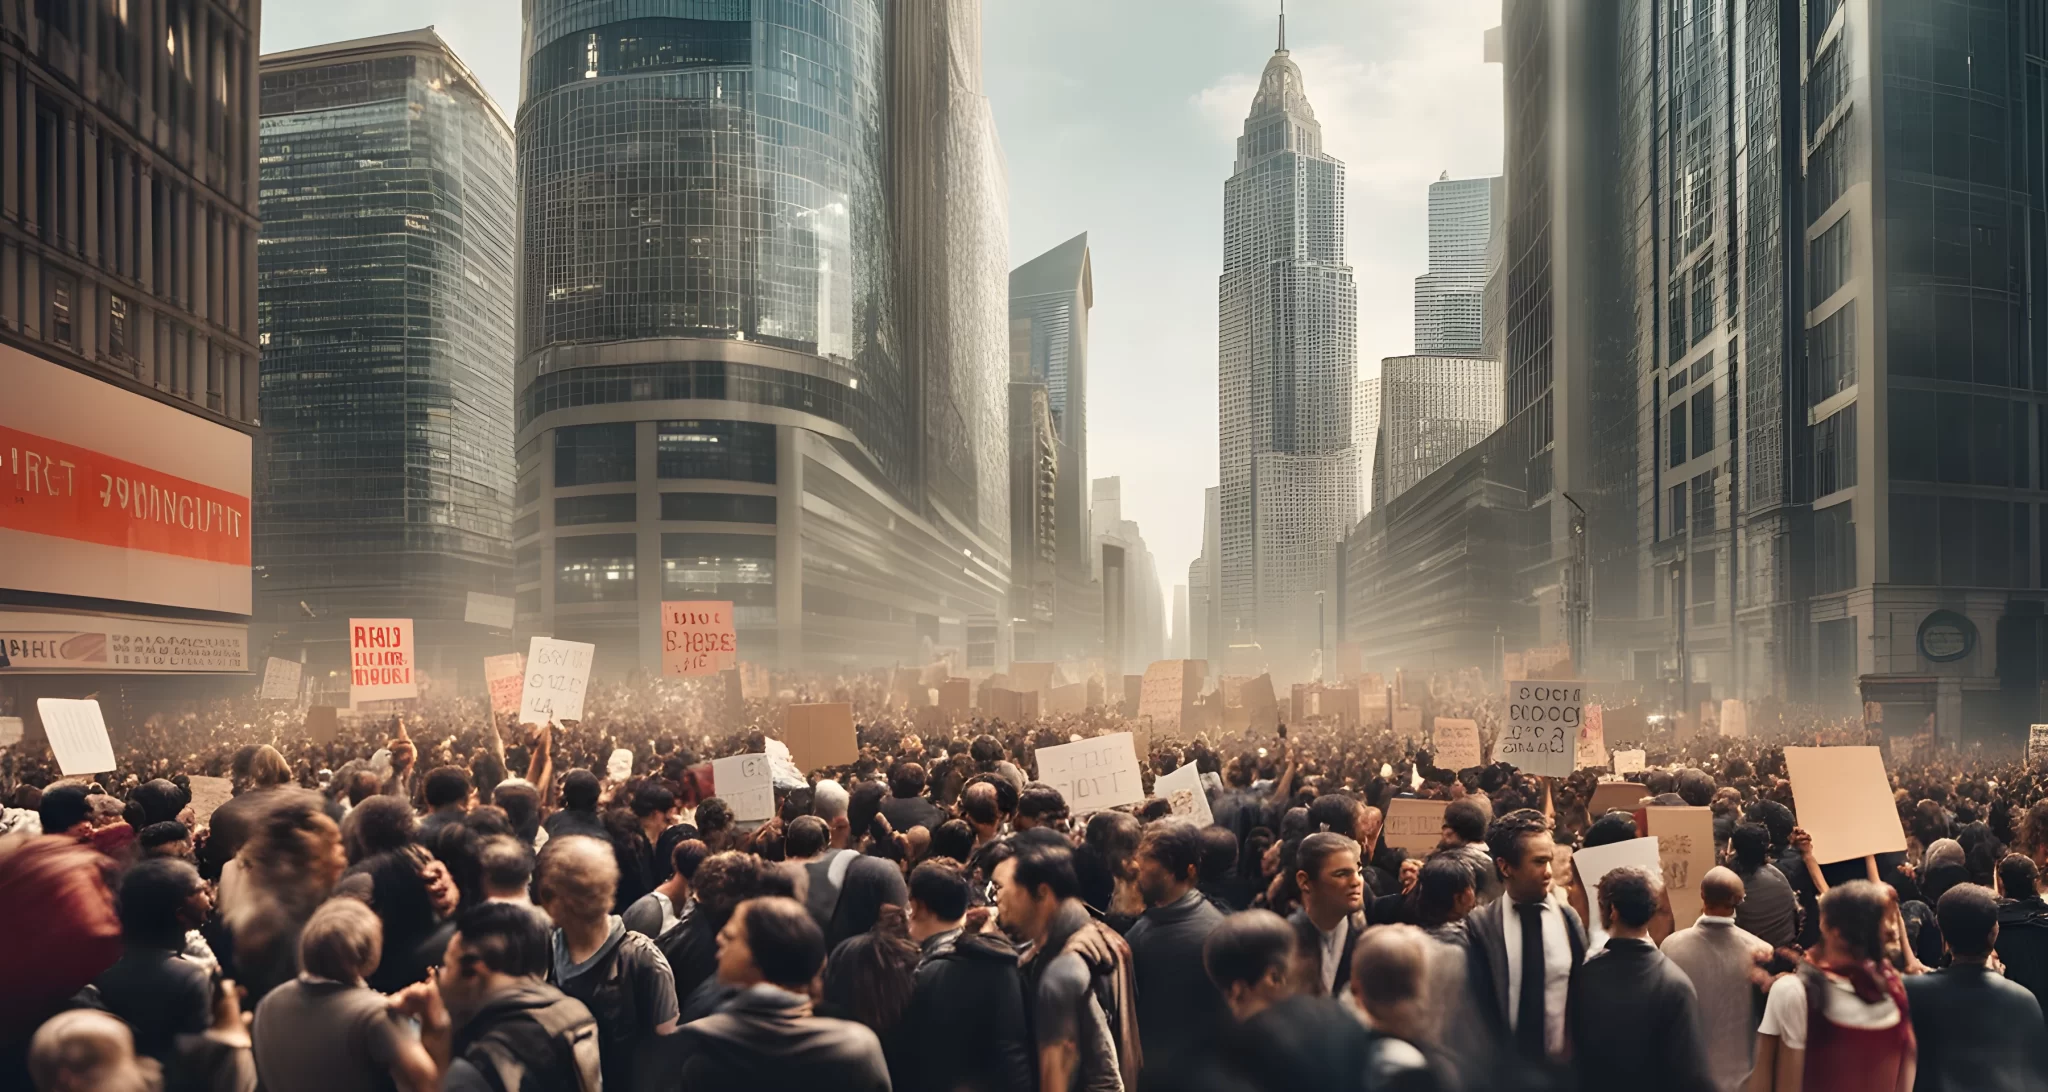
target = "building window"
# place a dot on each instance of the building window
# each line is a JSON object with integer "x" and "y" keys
{"x": 117, "y": 327}
{"x": 1702, "y": 421}
{"x": 718, "y": 507}
{"x": 1700, "y": 578}
{"x": 1831, "y": 353}
{"x": 595, "y": 569}
{"x": 1703, "y": 493}
{"x": 1829, "y": 268}
{"x": 604, "y": 508}
{"x": 63, "y": 289}
{"x": 1702, "y": 299}
{"x": 740, "y": 568}
{"x": 594, "y": 454}
{"x": 1676, "y": 506}
{"x": 525, "y": 525}
{"x": 719, "y": 450}
{"x": 1677, "y": 431}
{"x": 1834, "y": 549}
{"x": 1676, "y": 319}
{"x": 1834, "y": 452}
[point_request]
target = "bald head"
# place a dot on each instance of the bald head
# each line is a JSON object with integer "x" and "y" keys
{"x": 1720, "y": 892}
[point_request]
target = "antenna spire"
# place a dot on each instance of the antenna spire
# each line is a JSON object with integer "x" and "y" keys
{"x": 1283, "y": 26}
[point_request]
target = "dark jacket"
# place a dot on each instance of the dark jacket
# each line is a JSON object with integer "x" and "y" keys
{"x": 691, "y": 948}
{"x": 904, "y": 812}
{"x": 1634, "y": 1022}
{"x": 967, "y": 1015}
{"x": 1304, "y": 927}
{"x": 530, "y": 1038}
{"x": 767, "y": 1039}
{"x": 2023, "y": 944}
{"x": 1487, "y": 965}
{"x": 1178, "y": 1003}
{"x": 1300, "y": 1043}
{"x": 1976, "y": 1032}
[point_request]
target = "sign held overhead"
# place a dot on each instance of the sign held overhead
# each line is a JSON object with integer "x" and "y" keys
{"x": 697, "y": 637}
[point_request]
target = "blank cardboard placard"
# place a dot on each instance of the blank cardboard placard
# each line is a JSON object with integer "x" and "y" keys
{"x": 1734, "y": 719}
{"x": 820, "y": 735}
{"x": 1261, "y": 710}
{"x": 323, "y": 723}
{"x": 1843, "y": 798}
{"x": 1094, "y": 774}
{"x": 78, "y": 733}
{"x": 1685, "y": 840}
{"x": 209, "y": 793}
{"x": 956, "y": 697}
{"x": 1408, "y": 723}
{"x": 1414, "y": 826}
{"x": 1457, "y": 743}
{"x": 1183, "y": 790}
{"x": 1628, "y": 762}
{"x": 747, "y": 784}
{"x": 1609, "y": 795}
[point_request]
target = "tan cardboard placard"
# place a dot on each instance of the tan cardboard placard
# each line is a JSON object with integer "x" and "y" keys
{"x": 1407, "y": 722}
{"x": 505, "y": 678}
{"x": 1414, "y": 826}
{"x": 1685, "y": 844}
{"x": 1457, "y": 743}
{"x": 1338, "y": 703}
{"x": 820, "y": 735}
{"x": 956, "y": 697}
{"x": 1067, "y": 700}
{"x": 1168, "y": 693}
{"x": 1609, "y": 795}
{"x": 323, "y": 723}
{"x": 1010, "y": 706}
{"x": 1843, "y": 798}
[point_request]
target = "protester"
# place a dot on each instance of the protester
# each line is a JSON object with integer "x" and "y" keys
{"x": 1632, "y": 1014}
{"x": 1513, "y": 936}
{"x": 1974, "y": 1030}
{"x": 511, "y": 1030}
{"x": 619, "y": 975}
{"x": 1464, "y": 839}
{"x": 1332, "y": 889}
{"x": 1177, "y": 1003}
{"x": 671, "y": 902}
{"x": 87, "y": 1051}
{"x": 967, "y": 1003}
{"x": 326, "y": 1031}
{"x": 1444, "y": 894}
{"x": 158, "y": 992}
{"x": 1040, "y": 902}
{"x": 1862, "y": 1038}
{"x": 291, "y": 860}
{"x": 448, "y": 795}
{"x": 1769, "y": 909}
{"x": 2023, "y": 925}
{"x": 1722, "y": 961}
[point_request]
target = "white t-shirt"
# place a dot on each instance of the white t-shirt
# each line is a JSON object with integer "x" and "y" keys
{"x": 1785, "y": 1010}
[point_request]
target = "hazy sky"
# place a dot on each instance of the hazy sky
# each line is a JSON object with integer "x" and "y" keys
{"x": 1119, "y": 118}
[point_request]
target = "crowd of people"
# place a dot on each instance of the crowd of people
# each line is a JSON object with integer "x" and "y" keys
{"x": 447, "y": 900}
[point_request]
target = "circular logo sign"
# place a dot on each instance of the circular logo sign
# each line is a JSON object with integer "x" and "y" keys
{"x": 1946, "y": 636}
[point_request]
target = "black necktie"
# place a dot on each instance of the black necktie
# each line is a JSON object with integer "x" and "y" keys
{"x": 1529, "y": 1006}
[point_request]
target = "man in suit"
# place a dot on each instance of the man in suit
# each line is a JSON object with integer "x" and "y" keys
{"x": 1633, "y": 1016}
{"x": 1527, "y": 928}
{"x": 1975, "y": 1029}
{"x": 1330, "y": 920}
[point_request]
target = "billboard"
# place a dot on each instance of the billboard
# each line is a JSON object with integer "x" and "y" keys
{"x": 53, "y": 641}
{"x": 109, "y": 494}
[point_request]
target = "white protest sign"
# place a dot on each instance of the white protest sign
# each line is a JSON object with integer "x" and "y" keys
{"x": 1628, "y": 762}
{"x": 78, "y": 733}
{"x": 1093, "y": 774}
{"x": 381, "y": 660}
{"x": 1414, "y": 826}
{"x": 1734, "y": 718}
{"x": 620, "y": 765}
{"x": 505, "y": 677}
{"x": 1596, "y": 862}
{"x": 491, "y": 611}
{"x": 697, "y": 637}
{"x": 747, "y": 784}
{"x": 1457, "y": 743}
{"x": 1843, "y": 798}
{"x": 280, "y": 680}
{"x": 1542, "y": 730}
{"x": 10, "y": 731}
{"x": 557, "y": 674}
{"x": 1592, "y": 739}
{"x": 1183, "y": 789}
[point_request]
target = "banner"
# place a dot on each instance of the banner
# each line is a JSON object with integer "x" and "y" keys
{"x": 1414, "y": 826}
{"x": 108, "y": 644}
{"x": 381, "y": 660}
{"x": 1093, "y": 774}
{"x": 697, "y": 637}
{"x": 747, "y": 784}
{"x": 505, "y": 677}
{"x": 78, "y": 734}
{"x": 557, "y": 674}
{"x": 1182, "y": 789}
{"x": 490, "y": 611}
{"x": 1542, "y": 729}
{"x": 280, "y": 680}
{"x": 820, "y": 735}
{"x": 1457, "y": 743}
{"x": 1592, "y": 752}
{"x": 1843, "y": 798}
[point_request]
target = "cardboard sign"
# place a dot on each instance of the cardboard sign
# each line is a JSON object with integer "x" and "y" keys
{"x": 756, "y": 684}
{"x": 1093, "y": 774}
{"x": 747, "y": 785}
{"x": 280, "y": 680}
{"x": 10, "y": 731}
{"x": 381, "y": 659}
{"x": 1612, "y": 795}
{"x": 1032, "y": 677}
{"x": 78, "y": 733}
{"x": 1685, "y": 844}
{"x": 323, "y": 723}
{"x": 1407, "y": 723}
{"x": 956, "y": 697}
{"x": 1261, "y": 709}
{"x": 557, "y": 674}
{"x": 1414, "y": 827}
{"x": 1542, "y": 730}
{"x": 489, "y": 611}
{"x": 820, "y": 735}
{"x": 1183, "y": 790}
{"x": 1134, "y": 690}
{"x": 1596, "y": 862}
{"x": 1167, "y": 695}
{"x": 1067, "y": 700}
{"x": 1339, "y": 703}
{"x": 1592, "y": 752}
{"x": 505, "y": 677}
{"x": 1734, "y": 721}
{"x": 1010, "y": 706}
{"x": 619, "y": 766}
{"x": 208, "y": 794}
{"x": 1628, "y": 762}
{"x": 1842, "y": 797}
{"x": 1457, "y": 743}
{"x": 697, "y": 637}
{"x": 2037, "y": 741}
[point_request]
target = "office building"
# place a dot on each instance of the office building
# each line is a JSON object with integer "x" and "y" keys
{"x": 1034, "y": 526}
{"x": 128, "y": 356}
{"x": 1205, "y": 608}
{"x": 1177, "y": 643}
{"x": 1432, "y": 408}
{"x": 1133, "y": 608}
{"x": 385, "y": 301}
{"x": 1365, "y": 425}
{"x": 1050, "y": 297}
{"x": 1450, "y": 312}
{"x": 720, "y": 392}
{"x": 1287, "y": 364}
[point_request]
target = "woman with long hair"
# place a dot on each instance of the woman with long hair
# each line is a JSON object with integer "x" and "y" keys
{"x": 288, "y": 866}
{"x": 1841, "y": 1024}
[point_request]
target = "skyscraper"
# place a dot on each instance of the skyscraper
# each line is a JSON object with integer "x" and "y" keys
{"x": 1432, "y": 408}
{"x": 385, "y": 299}
{"x": 1450, "y": 299}
{"x": 1050, "y": 297}
{"x": 721, "y": 391}
{"x": 1287, "y": 364}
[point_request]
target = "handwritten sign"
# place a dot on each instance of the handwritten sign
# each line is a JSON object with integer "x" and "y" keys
{"x": 820, "y": 735}
{"x": 697, "y": 637}
{"x": 557, "y": 674}
{"x": 1843, "y": 798}
{"x": 747, "y": 785}
{"x": 505, "y": 677}
{"x": 1685, "y": 844}
{"x": 1182, "y": 789}
{"x": 381, "y": 660}
{"x": 1457, "y": 743}
{"x": 208, "y": 794}
{"x": 1592, "y": 740}
{"x": 1628, "y": 762}
{"x": 1542, "y": 729}
{"x": 78, "y": 733}
{"x": 1093, "y": 774}
{"x": 1414, "y": 826}
{"x": 280, "y": 680}
{"x": 1166, "y": 694}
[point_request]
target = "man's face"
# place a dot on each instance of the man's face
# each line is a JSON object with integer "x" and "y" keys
{"x": 197, "y": 907}
{"x": 1530, "y": 879}
{"x": 1022, "y": 913}
{"x": 461, "y": 978}
{"x": 1155, "y": 881}
{"x": 1339, "y": 888}
{"x": 735, "y": 959}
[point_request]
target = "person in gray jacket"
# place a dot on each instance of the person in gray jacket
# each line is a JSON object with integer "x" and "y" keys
{"x": 1721, "y": 959}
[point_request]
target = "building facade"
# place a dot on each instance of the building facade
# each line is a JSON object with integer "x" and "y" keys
{"x": 1034, "y": 520}
{"x": 720, "y": 395}
{"x": 1205, "y": 606}
{"x": 1287, "y": 364}
{"x": 1133, "y": 606}
{"x": 1450, "y": 299}
{"x": 385, "y": 301}
{"x": 128, "y": 355}
{"x": 1050, "y": 297}
{"x": 1432, "y": 408}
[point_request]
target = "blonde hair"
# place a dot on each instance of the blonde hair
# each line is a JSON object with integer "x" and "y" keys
{"x": 267, "y": 768}
{"x": 577, "y": 877}
{"x": 343, "y": 940}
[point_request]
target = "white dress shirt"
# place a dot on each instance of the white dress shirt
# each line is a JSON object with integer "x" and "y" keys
{"x": 1333, "y": 953}
{"x": 1557, "y": 968}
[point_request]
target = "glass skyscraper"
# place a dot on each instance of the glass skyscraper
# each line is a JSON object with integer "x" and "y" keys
{"x": 385, "y": 313}
{"x": 1450, "y": 298}
{"x": 721, "y": 393}
{"x": 1288, "y": 357}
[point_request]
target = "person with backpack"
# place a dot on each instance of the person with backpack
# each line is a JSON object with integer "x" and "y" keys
{"x": 620, "y": 975}
{"x": 843, "y": 889}
{"x": 512, "y": 1031}
{"x": 1080, "y": 1004}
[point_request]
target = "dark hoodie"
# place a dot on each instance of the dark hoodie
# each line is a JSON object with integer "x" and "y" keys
{"x": 966, "y": 1015}
{"x": 766, "y": 1038}
{"x": 1178, "y": 1003}
{"x": 2023, "y": 943}
{"x": 531, "y": 1038}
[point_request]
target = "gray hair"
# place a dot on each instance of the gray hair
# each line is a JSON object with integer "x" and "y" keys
{"x": 829, "y": 800}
